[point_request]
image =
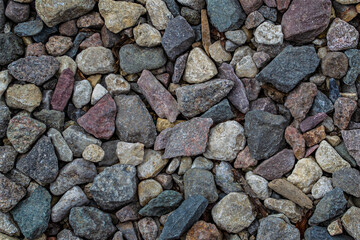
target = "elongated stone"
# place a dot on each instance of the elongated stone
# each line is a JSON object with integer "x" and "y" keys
{"x": 63, "y": 90}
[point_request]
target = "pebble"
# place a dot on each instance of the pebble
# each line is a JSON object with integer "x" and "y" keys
{"x": 62, "y": 149}
{"x": 218, "y": 53}
{"x": 11, "y": 193}
{"x": 28, "y": 29}
{"x": 173, "y": 165}
{"x": 321, "y": 187}
{"x": 199, "y": 67}
{"x": 185, "y": 165}
{"x": 200, "y": 182}
{"x": 335, "y": 228}
{"x": 91, "y": 223}
{"x": 297, "y": 62}
{"x": 66, "y": 234}
{"x": 17, "y": 12}
{"x": 110, "y": 157}
{"x": 68, "y": 28}
{"x": 5, "y": 80}
{"x": 277, "y": 227}
{"x": 220, "y": 112}
{"x": 94, "y": 60}
{"x": 350, "y": 223}
{"x": 82, "y": 93}
{"x": 202, "y": 230}
{"x": 148, "y": 228}
{"x": 148, "y": 190}
{"x": 134, "y": 59}
{"x": 347, "y": 179}
{"x": 26, "y": 97}
{"x": 66, "y": 62}
{"x": 254, "y": 19}
{"x": 258, "y": 184}
{"x": 286, "y": 207}
{"x": 241, "y": 52}
{"x": 51, "y": 118}
{"x": 80, "y": 37}
{"x": 98, "y": 92}
{"x": 130, "y": 153}
{"x": 334, "y": 65}
{"x": 116, "y": 84}
{"x": 129, "y": 212}
{"x": 233, "y": 213}
{"x": 35, "y": 210}
{"x": 269, "y": 34}
{"x": 165, "y": 180}
{"x": 237, "y": 36}
{"x": 315, "y": 136}
{"x": 328, "y": 159}
{"x": 11, "y": 48}
{"x": 93, "y": 153}
{"x": 63, "y": 90}
{"x": 160, "y": 15}
{"x": 341, "y": 36}
{"x": 296, "y": 141}
{"x": 246, "y": 68}
{"x": 58, "y": 45}
{"x": 352, "y": 144}
{"x": 192, "y": 16}
{"x": 7, "y": 225}
{"x": 317, "y": 232}
{"x": 354, "y": 71}
{"x": 74, "y": 197}
{"x": 91, "y": 20}
{"x": 153, "y": 163}
{"x": 35, "y": 70}
{"x": 244, "y": 159}
{"x": 92, "y": 41}
{"x": 147, "y": 36}
{"x": 312, "y": 121}
{"x": 344, "y": 109}
{"x": 179, "y": 68}
{"x": 321, "y": 104}
{"x": 224, "y": 178}
{"x": 7, "y": 158}
{"x": 164, "y": 203}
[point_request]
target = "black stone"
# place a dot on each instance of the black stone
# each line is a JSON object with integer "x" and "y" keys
{"x": 342, "y": 150}
{"x": 51, "y": 118}
{"x": 164, "y": 203}
{"x": 354, "y": 66}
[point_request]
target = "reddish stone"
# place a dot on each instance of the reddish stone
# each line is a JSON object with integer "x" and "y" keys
{"x": 244, "y": 159}
{"x": 63, "y": 90}
{"x": 301, "y": 99}
{"x": 91, "y": 20}
{"x": 334, "y": 65}
{"x": 282, "y": 5}
{"x": 17, "y": 12}
{"x": 160, "y": 100}
{"x": 305, "y": 20}
{"x": 311, "y": 150}
{"x": 264, "y": 104}
{"x": 68, "y": 28}
{"x": 270, "y": 3}
{"x": 352, "y": 143}
{"x": 92, "y": 41}
{"x": 202, "y": 230}
{"x": 341, "y": 36}
{"x": 296, "y": 141}
{"x": 344, "y": 109}
{"x": 161, "y": 139}
{"x": 314, "y": 136}
{"x": 35, "y": 49}
{"x": 261, "y": 59}
{"x": 250, "y": 5}
{"x": 276, "y": 166}
{"x": 313, "y": 121}
{"x": 164, "y": 79}
{"x": 100, "y": 119}
{"x": 109, "y": 38}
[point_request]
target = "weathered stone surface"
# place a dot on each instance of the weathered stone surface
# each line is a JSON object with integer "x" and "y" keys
{"x": 328, "y": 159}
{"x": 51, "y": 118}
{"x": 321, "y": 187}
{"x": 277, "y": 227}
{"x": 116, "y": 84}
{"x": 246, "y": 68}
{"x": 197, "y": 98}
{"x": 297, "y": 62}
{"x": 344, "y": 109}
{"x": 244, "y": 159}
{"x": 153, "y": 163}
{"x": 95, "y": 60}
{"x": 296, "y": 141}
{"x": 351, "y": 223}
{"x": 7, "y": 225}
{"x": 347, "y": 179}
{"x": 148, "y": 190}
{"x": 224, "y": 177}
{"x": 354, "y": 61}
{"x": 130, "y": 153}
{"x": 312, "y": 121}
{"x": 334, "y": 65}
{"x": 148, "y": 228}
{"x": 5, "y": 116}
{"x": 146, "y": 35}
{"x": 82, "y": 93}
{"x": 11, "y": 48}
{"x": 164, "y": 203}
{"x": 258, "y": 184}
{"x": 218, "y": 52}
{"x": 58, "y": 45}
{"x": 352, "y": 142}
{"x": 315, "y": 136}
{"x": 316, "y": 232}
{"x": 269, "y": 34}
{"x": 17, "y": 12}
{"x": 27, "y": 97}
{"x": 93, "y": 153}
{"x": 220, "y": 112}
{"x": 159, "y": 13}
{"x": 200, "y": 182}
{"x": 10, "y": 193}
{"x": 188, "y": 138}
{"x": 67, "y": 234}
{"x": 7, "y": 158}
{"x": 133, "y": 121}
{"x": 321, "y": 104}
{"x": 202, "y": 230}
{"x": 341, "y": 36}
{"x": 286, "y": 207}
{"x": 29, "y": 28}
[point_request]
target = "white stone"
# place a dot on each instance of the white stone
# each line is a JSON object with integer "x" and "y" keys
{"x": 238, "y": 36}
{"x": 62, "y": 148}
{"x": 218, "y": 52}
{"x": 199, "y": 67}
{"x": 116, "y": 84}
{"x": 321, "y": 187}
{"x": 5, "y": 80}
{"x": 269, "y": 34}
{"x": 147, "y": 190}
{"x": 147, "y": 36}
{"x": 240, "y": 53}
{"x": 287, "y": 207}
{"x": 328, "y": 158}
{"x": 98, "y": 92}
{"x": 93, "y": 153}
{"x": 258, "y": 184}
{"x": 66, "y": 62}
{"x": 159, "y": 13}
{"x": 94, "y": 60}
{"x": 82, "y": 93}
{"x": 152, "y": 165}
{"x": 130, "y": 153}
{"x": 246, "y": 68}
{"x": 225, "y": 141}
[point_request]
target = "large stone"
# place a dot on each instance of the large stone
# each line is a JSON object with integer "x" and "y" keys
{"x": 344, "y": 109}
{"x": 26, "y": 97}
{"x": 7, "y": 158}
{"x": 94, "y": 60}
{"x": 305, "y": 20}
{"x": 164, "y": 203}
{"x": 153, "y": 164}
{"x": 277, "y": 227}
{"x": 296, "y": 63}
{"x": 347, "y": 179}
{"x": 133, "y": 121}
{"x": 341, "y": 36}
{"x": 200, "y": 182}
{"x": 53, "y": 12}
{"x": 7, "y": 225}
{"x": 159, "y": 14}
{"x": 352, "y": 143}
{"x": 351, "y": 223}
{"x": 328, "y": 159}
{"x": 11, "y": 48}
{"x": 316, "y": 232}
{"x": 10, "y": 193}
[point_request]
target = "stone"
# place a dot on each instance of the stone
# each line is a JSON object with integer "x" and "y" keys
{"x": 91, "y": 223}
{"x": 264, "y": 104}
{"x": 258, "y": 184}
{"x": 335, "y": 228}
{"x": 63, "y": 90}
{"x": 202, "y": 230}
{"x": 127, "y": 128}
{"x": 192, "y": 16}
{"x": 58, "y": 45}
{"x": 94, "y": 60}
{"x": 128, "y": 230}
{"x": 35, "y": 70}
{"x": 277, "y": 227}
{"x": 110, "y": 157}
{"x": 23, "y": 131}
{"x": 98, "y": 92}
{"x": 41, "y": 163}
{"x": 91, "y": 20}
{"x": 184, "y": 217}
{"x": 11, "y": 48}
{"x": 62, "y": 149}
{"x": 129, "y": 212}
{"x": 148, "y": 228}
{"x": 45, "y": 33}
{"x": 26, "y": 97}
{"x": 17, "y": 12}
{"x": 314, "y": 136}
{"x": 328, "y": 159}
{"x": 291, "y": 192}
{"x": 147, "y": 36}
{"x": 300, "y": 100}
{"x": 254, "y": 19}
{"x": 351, "y": 142}
{"x": 233, "y": 213}
{"x": 297, "y": 62}
{"x": 68, "y": 28}
{"x": 188, "y": 138}
{"x": 246, "y": 68}
{"x": 51, "y": 118}
{"x": 66, "y": 234}
{"x": 350, "y": 223}
{"x": 29, "y": 28}
{"x": 341, "y": 36}
{"x": 316, "y": 232}
{"x": 5, "y": 116}
{"x": 10, "y": 194}
{"x": 2, "y": 15}
{"x": 109, "y": 38}
{"x": 225, "y": 15}
{"x": 78, "y": 140}
{"x": 334, "y": 65}
{"x": 194, "y": 4}
{"x": 75, "y": 197}
{"x": 7, "y": 158}
{"x": 80, "y": 37}
{"x": 312, "y": 121}
{"x": 7, "y": 225}
{"x": 93, "y": 153}
{"x": 218, "y": 52}
{"x": 241, "y": 52}
{"x": 244, "y": 159}
{"x": 173, "y": 7}
{"x": 179, "y": 68}
{"x": 202, "y": 163}
{"x": 321, "y": 187}
{"x": 354, "y": 71}
{"x": 5, "y": 80}
{"x": 237, "y": 36}
{"x": 134, "y": 59}
{"x": 173, "y": 166}
{"x": 199, "y": 67}
{"x": 152, "y": 164}
{"x": 165, "y": 180}
{"x": 200, "y": 182}
{"x": 82, "y": 93}
{"x": 305, "y": 20}
{"x": 66, "y": 62}
{"x": 330, "y": 206}
{"x": 32, "y": 215}
{"x": 92, "y": 41}
{"x": 347, "y": 179}
{"x": 269, "y": 34}
{"x": 286, "y": 207}
{"x": 148, "y": 190}
{"x": 296, "y": 141}
{"x": 344, "y": 109}
{"x": 220, "y": 112}
{"x": 164, "y": 203}
{"x": 178, "y": 37}
{"x": 185, "y": 165}
{"x": 198, "y": 98}
{"x": 264, "y": 132}
{"x": 160, "y": 15}
{"x": 116, "y": 84}
{"x": 130, "y": 153}
{"x": 54, "y": 13}
{"x": 321, "y": 104}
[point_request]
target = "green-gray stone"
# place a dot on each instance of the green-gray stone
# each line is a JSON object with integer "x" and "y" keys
{"x": 164, "y": 203}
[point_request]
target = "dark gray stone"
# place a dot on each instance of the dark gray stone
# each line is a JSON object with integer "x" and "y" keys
{"x": 45, "y": 33}
{"x": 11, "y": 48}
{"x": 197, "y": 31}
{"x": 33, "y": 214}
{"x": 273, "y": 227}
{"x": 354, "y": 66}
{"x": 173, "y": 7}
{"x": 178, "y": 37}
{"x": 342, "y": 150}
{"x": 30, "y": 28}
{"x": 110, "y": 157}
{"x": 225, "y": 15}
{"x": 74, "y": 113}
{"x": 133, "y": 121}
{"x": 334, "y": 91}
{"x": 122, "y": 189}
{"x": 220, "y": 112}
{"x": 321, "y": 233}
{"x": 348, "y": 179}
{"x": 80, "y": 37}
{"x": 134, "y": 59}
{"x": 330, "y": 206}
{"x": 268, "y": 13}
{"x": 2, "y": 15}
{"x": 7, "y": 158}
{"x": 51, "y": 118}
{"x": 179, "y": 68}
{"x": 10, "y": 193}
{"x": 291, "y": 66}
{"x": 91, "y": 223}
{"x": 200, "y": 182}
{"x": 184, "y": 217}
{"x": 265, "y": 133}
{"x": 224, "y": 178}
{"x": 164, "y": 203}
{"x": 321, "y": 104}
{"x": 41, "y": 163}
{"x": 5, "y": 116}
{"x": 192, "y": 16}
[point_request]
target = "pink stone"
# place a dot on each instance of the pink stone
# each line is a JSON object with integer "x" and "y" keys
{"x": 341, "y": 36}
{"x": 244, "y": 159}
{"x": 270, "y": 3}
{"x": 161, "y": 139}
{"x": 311, "y": 150}
{"x": 160, "y": 100}
{"x": 250, "y": 5}
{"x": 92, "y": 41}
{"x": 63, "y": 90}
{"x": 100, "y": 119}
{"x": 311, "y": 122}
{"x": 264, "y": 104}
{"x": 282, "y": 5}
{"x": 164, "y": 78}
{"x": 344, "y": 109}
{"x": 352, "y": 143}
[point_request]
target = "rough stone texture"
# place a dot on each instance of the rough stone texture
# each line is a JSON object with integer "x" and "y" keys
{"x": 41, "y": 163}
{"x": 197, "y": 98}
{"x": 133, "y": 121}
{"x": 11, "y": 48}
{"x": 148, "y": 228}
{"x": 159, "y": 13}
{"x": 67, "y": 234}
{"x": 334, "y": 65}
{"x": 218, "y": 52}
{"x": 296, "y": 63}
{"x": 164, "y": 203}
{"x": 179, "y": 68}
{"x": 321, "y": 104}
{"x": 130, "y": 153}
{"x": 246, "y": 67}
{"x": 312, "y": 121}
{"x": 29, "y": 28}
{"x": 352, "y": 140}
{"x": 341, "y": 36}
{"x": 147, "y": 36}
{"x": 91, "y": 223}
{"x": 277, "y": 227}
{"x": 347, "y": 179}
{"x": 148, "y": 190}
{"x": 27, "y": 97}
{"x": 244, "y": 159}
{"x": 305, "y": 20}
{"x": 17, "y": 12}
{"x": 202, "y": 230}
{"x": 110, "y": 157}
{"x": 153, "y": 163}
{"x": 51, "y": 118}
{"x": 351, "y": 223}
{"x": 353, "y": 56}
{"x": 233, "y": 213}
{"x": 58, "y": 45}
{"x": 7, "y": 225}
{"x": 33, "y": 69}
{"x": 10, "y": 193}
{"x": 269, "y": 34}
{"x": 264, "y": 132}
{"x": 286, "y": 207}
{"x": 62, "y": 149}
{"x": 200, "y": 182}
{"x": 5, "y": 116}
{"x": 53, "y": 12}
{"x": 82, "y": 93}
{"x": 93, "y": 153}
{"x": 344, "y": 109}
{"x": 5, "y": 80}
{"x": 7, "y": 158}
{"x": 328, "y": 159}
{"x": 224, "y": 177}
{"x": 258, "y": 184}
{"x": 188, "y": 138}
{"x": 116, "y": 84}
{"x": 95, "y": 60}
{"x": 121, "y": 191}
{"x": 315, "y": 136}
{"x": 296, "y": 141}
{"x": 321, "y": 187}
{"x": 315, "y": 232}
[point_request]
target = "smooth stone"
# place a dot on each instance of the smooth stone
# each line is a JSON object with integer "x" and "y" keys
{"x": 160, "y": 15}
{"x": 116, "y": 84}
{"x": 218, "y": 52}
{"x": 202, "y": 163}
{"x": 98, "y": 92}
{"x": 286, "y": 207}
{"x": 96, "y": 60}
{"x": 334, "y": 65}
{"x": 152, "y": 165}
{"x": 82, "y": 93}
{"x": 93, "y": 153}
{"x": 148, "y": 190}
{"x": 10, "y": 193}
{"x": 7, "y": 158}
{"x": 347, "y": 179}
{"x": 62, "y": 149}
{"x": 220, "y": 112}
{"x": 147, "y": 36}
{"x": 246, "y": 68}
{"x": 350, "y": 222}
{"x": 321, "y": 187}
{"x": 45, "y": 33}
{"x": 312, "y": 121}
{"x": 277, "y": 227}
{"x": 225, "y": 179}
{"x": 30, "y": 28}
{"x": 11, "y": 48}
{"x": 237, "y": 36}
{"x": 200, "y": 182}
{"x": 164, "y": 203}
{"x": 130, "y": 153}
{"x": 328, "y": 159}
{"x": 258, "y": 184}
{"x": 26, "y": 97}
{"x": 5, "y": 80}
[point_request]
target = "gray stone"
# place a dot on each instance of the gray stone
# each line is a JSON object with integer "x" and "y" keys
{"x": 30, "y": 28}
{"x": 7, "y": 225}
{"x": 173, "y": 7}
{"x": 52, "y": 118}
{"x": 66, "y": 234}
{"x": 354, "y": 66}
{"x": 316, "y": 233}
{"x": 350, "y": 222}
{"x": 7, "y": 158}
{"x": 225, "y": 179}
{"x": 11, "y": 48}
{"x": 220, "y": 112}
{"x": 82, "y": 93}
{"x": 62, "y": 149}
{"x": 164, "y": 203}
{"x": 202, "y": 163}
{"x": 200, "y": 182}
{"x": 5, "y": 116}
{"x": 321, "y": 104}
{"x": 277, "y": 227}
{"x": 194, "y": 4}
{"x": 110, "y": 157}
{"x": 10, "y": 193}
{"x": 348, "y": 180}
{"x": 96, "y": 60}
{"x": 2, "y": 15}
{"x": 258, "y": 184}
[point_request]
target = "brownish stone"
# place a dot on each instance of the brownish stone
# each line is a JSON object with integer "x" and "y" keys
{"x": 91, "y": 20}
{"x": 68, "y": 28}
{"x": 58, "y": 45}
{"x": 250, "y": 5}
{"x": 35, "y": 49}
{"x": 296, "y": 141}
{"x": 344, "y": 109}
{"x": 202, "y": 230}
{"x": 244, "y": 159}
{"x": 282, "y": 5}
{"x": 92, "y": 41}
{"x": 314, "y": 136}
{"x": 334, "y": 65}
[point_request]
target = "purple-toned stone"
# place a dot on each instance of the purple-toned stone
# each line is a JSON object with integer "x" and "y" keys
{"x": 244, "y": 159}
{"x": 276, "y": 166}
{"x": 164, "y": 78}
{"x": 92, "y": 41}
{"x": 352, "y": 143}
{"x": 17, "y": 12}
{"x": 344, "y": 109}
{"x": 341, "y": 36}
{"x": 129, "y": 213}
{"x": 160, "y": 100}
{"x": 63, "y": 90}
{"x": 261, "y": 59}
{"x": 250, "y": 5}
{"x": 309, "y": 151}
{"x": 35, "y": 49}
{"x": 282, "y": 5}
{"x": 252, "y": 88}
{"x": 162, "y": 139}
{"x": 312, "y": 121}
{"x": 353, "y": 125}
{"x": 264, "y": 104}
{"x": 10, "y": 193}
{"x": 270, "y": 3}
{"x": 237, "y": 95}
{"x": 100, "y": 119}
{"x": 91, "y": 20}
{"x": 68, "y": 28}
{"x": 179, "y": 68}
{"x": 188, "y": 138}
{"x": 109, "y": 38}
